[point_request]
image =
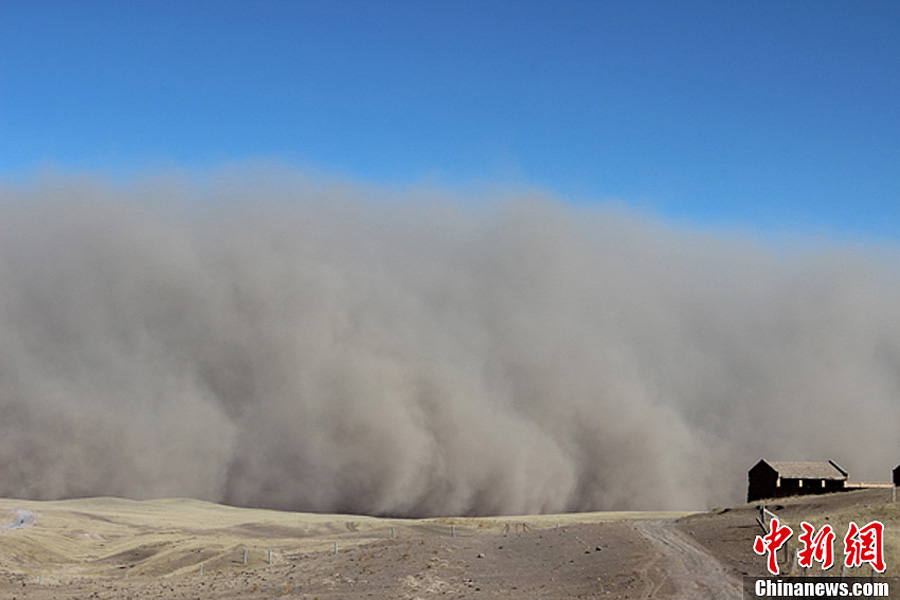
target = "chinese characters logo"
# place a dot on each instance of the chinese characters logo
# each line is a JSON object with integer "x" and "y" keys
{"x": 861, "y": 545}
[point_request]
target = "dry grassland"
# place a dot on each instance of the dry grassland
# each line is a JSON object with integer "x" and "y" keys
{"x": 114, "y": 548}
{"x": 729, "y": 532}
{"x": 86, "y": 541}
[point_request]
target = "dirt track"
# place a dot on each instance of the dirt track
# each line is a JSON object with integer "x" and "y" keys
{"x": 681, "y": 568}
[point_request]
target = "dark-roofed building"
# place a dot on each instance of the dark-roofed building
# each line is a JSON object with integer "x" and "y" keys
{"x": 778, "y": 479}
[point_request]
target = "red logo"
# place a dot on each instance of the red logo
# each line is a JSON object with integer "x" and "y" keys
{"x": 819, "y": 548}
{"x": 865, "y": 545}
{"x": 861, "y": 545}
{"x": 771, "y": 542}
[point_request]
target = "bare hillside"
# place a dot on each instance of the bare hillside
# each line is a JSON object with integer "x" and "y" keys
{"x": 113, "y": 548}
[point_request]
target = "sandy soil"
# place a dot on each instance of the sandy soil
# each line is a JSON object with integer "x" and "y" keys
{"x": 110, "y": 548}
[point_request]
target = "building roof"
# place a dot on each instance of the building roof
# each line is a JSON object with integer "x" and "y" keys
{"x": 825, "y": 469}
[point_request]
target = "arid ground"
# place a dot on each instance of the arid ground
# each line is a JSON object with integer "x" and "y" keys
{"x": 113, "y": 548}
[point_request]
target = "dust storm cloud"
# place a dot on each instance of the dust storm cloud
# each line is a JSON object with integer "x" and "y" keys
{"x": 330, "y": 347}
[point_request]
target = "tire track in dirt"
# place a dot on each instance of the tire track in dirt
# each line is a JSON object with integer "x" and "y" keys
{"x": 685, "y": 565}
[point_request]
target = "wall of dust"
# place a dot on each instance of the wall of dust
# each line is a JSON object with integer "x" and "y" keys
{"x": 295, "y": 343}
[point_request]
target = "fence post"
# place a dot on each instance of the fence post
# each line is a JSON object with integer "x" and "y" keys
{"x": 789, "y": 566}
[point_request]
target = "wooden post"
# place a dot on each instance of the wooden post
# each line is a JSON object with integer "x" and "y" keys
{"x": 245, "y": 556}
{"x": 452, "y": 530}
{"x": 789, "y": 566}
{"x": 393, "y": 532}
{"x": 201, "y": 569}
{"x": 335, "y": 547}
{"x": 270, "y": 556}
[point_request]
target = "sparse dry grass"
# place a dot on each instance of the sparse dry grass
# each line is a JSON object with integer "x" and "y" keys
{"x": 872, "y": 505}
{"x": 729, "y": 532}
{"x": 107, "y": 537}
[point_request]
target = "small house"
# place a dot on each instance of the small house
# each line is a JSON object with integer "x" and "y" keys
{"x": 779, "y": 479}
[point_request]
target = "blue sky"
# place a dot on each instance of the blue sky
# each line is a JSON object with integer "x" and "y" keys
{"x": 769, "y": 115}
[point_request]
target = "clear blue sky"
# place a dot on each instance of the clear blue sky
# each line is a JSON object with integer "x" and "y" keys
{"x": 767, "y": 114}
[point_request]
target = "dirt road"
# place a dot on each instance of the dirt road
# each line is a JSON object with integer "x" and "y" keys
{"x": 680, "y": 568}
